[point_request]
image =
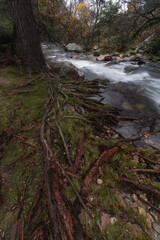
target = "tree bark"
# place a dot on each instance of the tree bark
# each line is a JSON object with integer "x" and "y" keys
{"x": 27, "y": 31}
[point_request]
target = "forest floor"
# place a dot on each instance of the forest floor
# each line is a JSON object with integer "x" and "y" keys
{"x": 64, "y": 172}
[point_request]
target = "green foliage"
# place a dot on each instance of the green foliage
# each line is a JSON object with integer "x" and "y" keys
{"x": 154, "y": 47}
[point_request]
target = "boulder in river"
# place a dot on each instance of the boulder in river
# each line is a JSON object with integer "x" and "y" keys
{"x": 72, "y": 47}
{"x": 66, "y": 69}
{"x": 5, "y": 36}
{"x": 106, "y": 57}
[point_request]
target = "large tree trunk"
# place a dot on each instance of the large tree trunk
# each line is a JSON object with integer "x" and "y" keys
{"x": 26, "y": 27}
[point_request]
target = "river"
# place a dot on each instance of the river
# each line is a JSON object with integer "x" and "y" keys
{"x": 132, "y": 88}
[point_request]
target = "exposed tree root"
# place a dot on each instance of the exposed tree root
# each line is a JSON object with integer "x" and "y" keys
{"x": 79, "y": 153}
{"x": 141, "y": 186}
{"x": 62, "y": 209}
{"x": 99, "y": 165}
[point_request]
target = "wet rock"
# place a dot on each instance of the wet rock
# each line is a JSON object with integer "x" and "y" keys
{"x": 133, "y": 58}
{"x": 130, "y": 69}
{"x": 72, "y": 47}
{"x": 101, "y": 58}
{"x": 104, "y": 58}
{"x": 140, "y": 106}
{"x": 127, "y": 106}
{"x": 126, "y": 59}
{"x": 108, "y": 58}
{"x": 156, "y": 227}
{"x": 116, "y": 54}
{"x": 113, "y": 220}
{"x": 66, "y": 69}
{"x": 127, "y": 55}
{"x": 139, "y": 56}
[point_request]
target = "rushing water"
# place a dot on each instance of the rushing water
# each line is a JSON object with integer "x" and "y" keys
{"x": 146, "y": 80}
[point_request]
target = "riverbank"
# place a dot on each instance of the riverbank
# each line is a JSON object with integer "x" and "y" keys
{"x": 98, "y": 199}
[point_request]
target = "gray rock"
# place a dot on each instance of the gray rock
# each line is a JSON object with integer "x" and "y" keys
{"x": 66, "y": 69}
{"x": 116, "y": 54}
{"x": 133, "y": 58}
{"x": 139, "y": 56}
{"x": 72, "y": 47}
{"x": 130, "y": 69}
{"x": 127, "y": 55}
{"x": 156, "y": 227}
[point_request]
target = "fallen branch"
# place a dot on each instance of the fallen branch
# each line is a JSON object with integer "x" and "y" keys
{"x": 141, "y": 186}
{"x": 144, "y": 170}
{"x": 99, "y": 165}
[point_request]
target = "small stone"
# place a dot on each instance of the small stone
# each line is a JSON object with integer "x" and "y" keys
{"x": 136, "y": 158}
{"x": 143, "y": 197}
{"x": 128, "y": 201}
{"x": 134, "y": 197}
{"x": 141, "y": 211}
{"x": 99, "y": 181}
{"x": 113, "y": 220}
{"x": 156, "y": 227}
{"x": 115, "y": 136}
{"x": 135, "y": 162}
{"x": 149, "y": 216}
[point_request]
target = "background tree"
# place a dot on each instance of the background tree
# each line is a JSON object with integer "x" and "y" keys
{"x": 27, "y": 31}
